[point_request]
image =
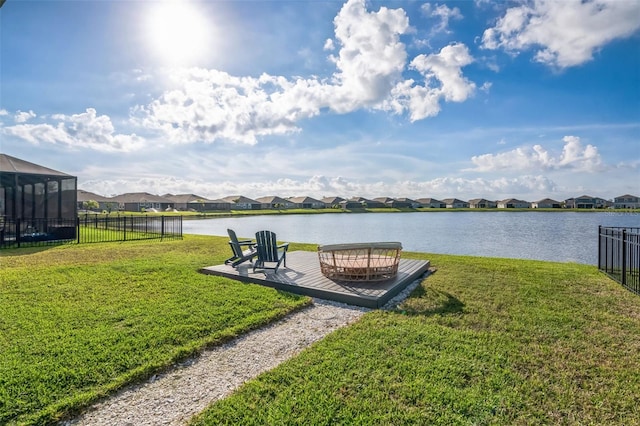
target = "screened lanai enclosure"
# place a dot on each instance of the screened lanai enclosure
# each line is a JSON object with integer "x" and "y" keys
{"x": 36, "y": 203}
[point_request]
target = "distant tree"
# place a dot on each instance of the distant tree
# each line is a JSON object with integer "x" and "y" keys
{"x": 90, "y": 205}
{"x": 111, "y": 206}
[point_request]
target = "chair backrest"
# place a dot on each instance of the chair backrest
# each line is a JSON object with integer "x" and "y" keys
{"x": 233, "y": 242}
{"x": 267, "y": 246}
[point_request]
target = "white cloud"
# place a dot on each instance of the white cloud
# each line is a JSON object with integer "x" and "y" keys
{"x": 23, "y": 117}
{"x": 574, "y": 156}
{"x": 442, "y": 12}
{"x": 208, "y": 105}
{"x": 85, "y": 130}
{"x": 564, "y": 33}
{"x": 499, "y": 187}
{"x": 320, "y": 186}
{"x": 446, "y": 68}
{"x": 443, "y": 81}
{"x": 371, "y": 58}
{"x": 3, "y": 112}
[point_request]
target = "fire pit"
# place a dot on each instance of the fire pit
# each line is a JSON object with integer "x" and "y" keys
{"x": 360, "y": 261}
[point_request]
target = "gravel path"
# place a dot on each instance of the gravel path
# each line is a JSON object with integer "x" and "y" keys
{"x": 176, "y": 396}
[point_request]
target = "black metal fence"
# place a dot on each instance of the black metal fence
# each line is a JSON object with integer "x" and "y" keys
{"x": 88, "y": 229}
{"x": 619, "y": 255}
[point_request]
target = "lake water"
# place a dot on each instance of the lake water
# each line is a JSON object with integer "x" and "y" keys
{"x": 553, "y": 236}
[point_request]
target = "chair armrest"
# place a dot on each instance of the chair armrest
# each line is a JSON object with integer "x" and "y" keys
{"x": 284, "y": 246}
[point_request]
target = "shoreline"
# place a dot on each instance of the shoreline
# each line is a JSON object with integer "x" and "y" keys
{"x": 269, "y": 212}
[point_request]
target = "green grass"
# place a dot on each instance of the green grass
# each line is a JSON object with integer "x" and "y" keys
{"x": 78, "y": 322}
{"x": 482, "y": 341}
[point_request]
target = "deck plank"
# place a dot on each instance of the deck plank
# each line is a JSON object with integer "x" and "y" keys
{"x": 302, "y": 276}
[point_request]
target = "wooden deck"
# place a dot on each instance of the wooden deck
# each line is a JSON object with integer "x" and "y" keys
{"x": 302, "y": 276}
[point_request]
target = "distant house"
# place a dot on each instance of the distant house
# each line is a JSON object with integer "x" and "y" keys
{"x": 306, "y": 203}
{"x": 387, "y": 201}
{"x": 546, "y": 203}
{"x": 627, "y": 202}
{"x": 104, "y": 203}
{"x": 332, "y": 202}
{"x": 586, "y": 202}
{"x": 275, "y": 202}
{"x": 481, "y": 203}
{"x": 186, "y": 202}
{"x": 431, "y": 203}
{"x": 454, "y": 203}
{"x": 350, "y": 205}
{"x": 240, "y": 202}
{"x": 140, "y": 201}
{"x": 393, "y": 202}
{"x": 408, "y": 202}
{"x": 513, "y": 203}
{"x": 367, "y": 203}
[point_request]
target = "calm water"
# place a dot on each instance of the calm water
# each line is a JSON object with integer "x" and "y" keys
{"x": 563, "y": 237}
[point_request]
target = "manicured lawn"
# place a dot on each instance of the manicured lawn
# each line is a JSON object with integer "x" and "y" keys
{"x": 482, "y": 341}
{"x": 79, "y": 321}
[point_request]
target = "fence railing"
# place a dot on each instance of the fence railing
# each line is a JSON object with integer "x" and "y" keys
{"x": 16, "y": 233}
{"x": 125, "y": 228}
{"x": 619, "y": 255}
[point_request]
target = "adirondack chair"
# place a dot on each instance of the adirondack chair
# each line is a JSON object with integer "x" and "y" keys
{"x": 240, "y": 254}
{"x": 269, "y": 251}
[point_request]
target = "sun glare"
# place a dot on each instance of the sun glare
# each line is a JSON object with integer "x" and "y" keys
{"x": 178, "y": 32}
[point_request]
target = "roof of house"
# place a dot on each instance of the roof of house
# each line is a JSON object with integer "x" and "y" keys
{"x": 183, "y": 198}
{"x": 140, "y": 197}
{"x": 87, "y": 196}
{"x": 513, "y": 200}
{"x": 240, "y": 199}
{"x": 9, "y": 164}
{"x": 332, "y": 200}
{"x": 453, "y": 200}
{"x": 480, "y": 200}
{"x": 359, "y": 199}
{"x": 548, "y": 201}
{"x": 384, "y": 199}
{"x": 273, "y": 199}
{"x": 428, "y": 200}
{"x": 304, "y": 200}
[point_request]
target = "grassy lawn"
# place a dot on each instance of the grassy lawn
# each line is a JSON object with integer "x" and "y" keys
{"x": 482, "y": 341}
{"x": 78, "y": 322}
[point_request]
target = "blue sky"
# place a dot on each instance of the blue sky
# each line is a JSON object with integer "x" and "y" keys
{"x": 466, "y": 99}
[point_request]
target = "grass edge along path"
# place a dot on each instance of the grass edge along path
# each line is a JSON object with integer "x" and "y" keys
{"x": 81, "y": 321}
{"x": 481, "y": 341}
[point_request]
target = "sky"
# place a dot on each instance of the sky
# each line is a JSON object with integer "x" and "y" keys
{"x": 465, "y": 99}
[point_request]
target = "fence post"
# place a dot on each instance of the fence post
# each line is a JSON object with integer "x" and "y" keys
{"x": 18, "y": 232}
{"x": 78, "y": 230}
{"x": 124, "y": 228}
{"x": 161, "y": 227}
{"x": 599, "y": 247}
{"x": 624, "y": 257}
